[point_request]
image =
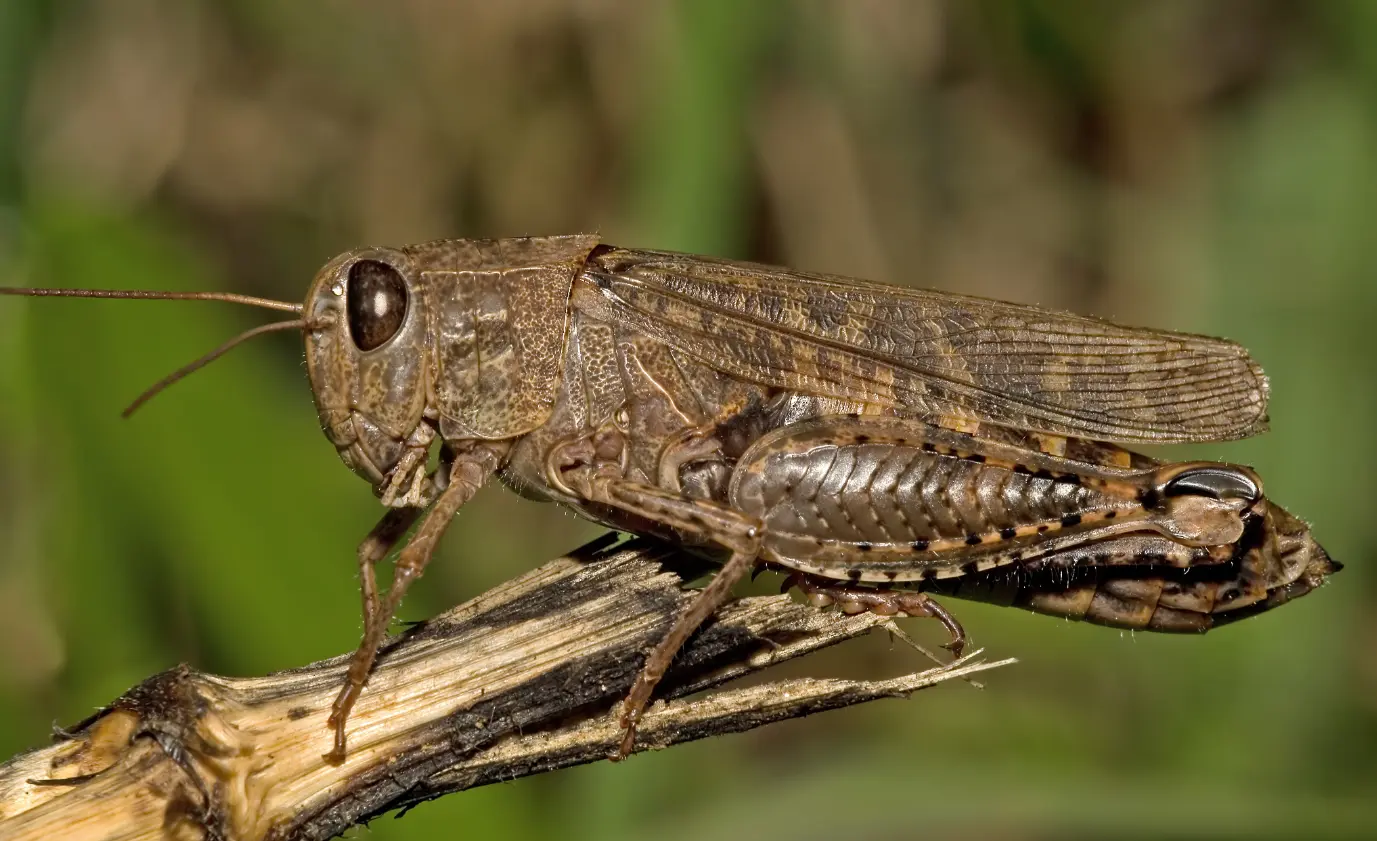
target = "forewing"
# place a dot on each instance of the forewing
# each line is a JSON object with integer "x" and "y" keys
{"x": 937, "y": 354}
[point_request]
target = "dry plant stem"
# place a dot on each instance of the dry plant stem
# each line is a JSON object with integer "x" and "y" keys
{"x": 524, "y": 679}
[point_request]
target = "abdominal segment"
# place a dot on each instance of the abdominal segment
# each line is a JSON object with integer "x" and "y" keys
{"x": 898, "y": 509}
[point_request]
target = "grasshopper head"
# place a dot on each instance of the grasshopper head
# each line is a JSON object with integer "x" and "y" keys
{"x": 366, "y": 356}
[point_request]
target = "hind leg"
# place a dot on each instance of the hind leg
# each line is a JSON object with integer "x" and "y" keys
{"x": 824, "y": 592}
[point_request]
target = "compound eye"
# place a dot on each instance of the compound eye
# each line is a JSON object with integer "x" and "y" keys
{"x": 1220, "y": 483}
{"x": 376, "y": 303}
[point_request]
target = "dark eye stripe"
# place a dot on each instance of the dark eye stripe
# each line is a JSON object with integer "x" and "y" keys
{"x": 376, "y": 303}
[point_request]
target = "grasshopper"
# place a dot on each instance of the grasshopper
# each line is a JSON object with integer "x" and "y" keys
{"x": 873, "y": 441}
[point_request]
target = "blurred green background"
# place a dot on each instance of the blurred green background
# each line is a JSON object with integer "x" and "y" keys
{"x": 1209, "y": 166}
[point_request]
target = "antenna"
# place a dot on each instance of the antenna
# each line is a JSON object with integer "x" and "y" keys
{"x": 191, "y": 367}
{"x": 266, "y": 303}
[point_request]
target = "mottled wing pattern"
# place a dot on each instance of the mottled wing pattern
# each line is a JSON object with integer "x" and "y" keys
{"x": 938, "y": 354}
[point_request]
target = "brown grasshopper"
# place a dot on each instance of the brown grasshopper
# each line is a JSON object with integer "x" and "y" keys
{"x": 872, "y": 440}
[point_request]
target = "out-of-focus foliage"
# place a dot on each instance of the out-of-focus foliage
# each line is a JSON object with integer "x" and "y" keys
{"x": 1197, "y": 165}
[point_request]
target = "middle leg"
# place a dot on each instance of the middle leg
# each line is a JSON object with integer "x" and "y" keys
{"x": 718, "y": 523}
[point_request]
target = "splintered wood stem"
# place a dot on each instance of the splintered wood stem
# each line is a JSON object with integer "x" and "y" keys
{"x": 524, "y": 679}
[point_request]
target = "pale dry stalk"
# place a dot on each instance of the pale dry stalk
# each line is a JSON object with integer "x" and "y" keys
{"x": 521, "y": 680}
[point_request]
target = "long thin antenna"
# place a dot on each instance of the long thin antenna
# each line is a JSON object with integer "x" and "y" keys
{"x": 266, "y": 303}
{"x": 192, "y": 367}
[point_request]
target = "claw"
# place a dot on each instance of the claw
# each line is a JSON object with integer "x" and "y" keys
{"x": 628, "y": 719}
{"x": 957, "y": 643}
{"x": 338, "y": 716}
{"x": 627, "y": 746}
